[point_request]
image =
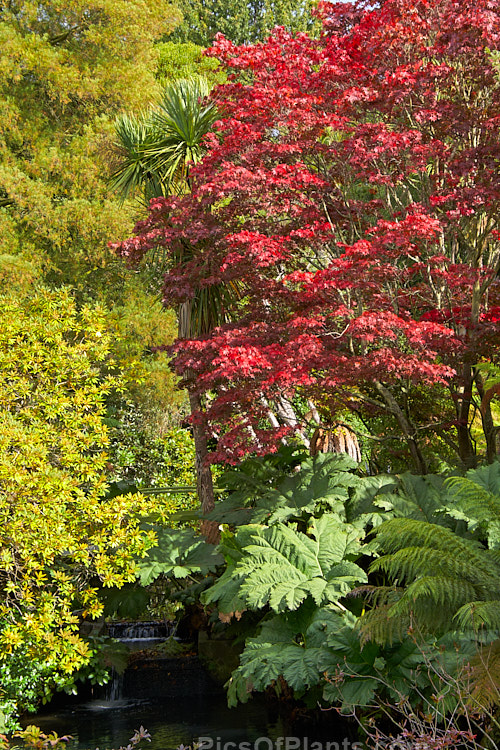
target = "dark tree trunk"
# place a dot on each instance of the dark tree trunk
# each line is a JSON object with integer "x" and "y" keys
{"x": 490, "y": 432}
{"x": 463, "y": 400}
{"x": 406, "y": 427}
{"x": 204, "y": 483}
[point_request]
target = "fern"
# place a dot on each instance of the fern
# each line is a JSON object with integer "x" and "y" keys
{"x": 475, "y": 615}
{"x": 382, "y": 627}
{"x": 443, "y": 573}
{"x": 398, "y": 533}
{"x": 473, "y": 503}
{"x": 483, "y": 677}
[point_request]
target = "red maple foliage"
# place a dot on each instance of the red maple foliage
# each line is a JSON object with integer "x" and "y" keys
{"x": 351, "y": 194}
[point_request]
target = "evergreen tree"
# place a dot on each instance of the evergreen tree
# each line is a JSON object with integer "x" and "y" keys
{"x": 67, "y": 69}
{"x": 241, "y": 22}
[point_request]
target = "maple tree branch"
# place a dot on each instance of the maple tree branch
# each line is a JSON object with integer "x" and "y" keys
{"x": 314, "y": 411}
{"x": 406, "y": 426}
{"x": 369, "y": 435}
{"x": 336, "y": 335}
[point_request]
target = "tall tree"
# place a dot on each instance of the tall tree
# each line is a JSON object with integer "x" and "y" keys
{"x": 241, "y": 22}
{"x": 353, "y": 190}
{"x": 67, "y": 69}
{"x": 158, "y": 151}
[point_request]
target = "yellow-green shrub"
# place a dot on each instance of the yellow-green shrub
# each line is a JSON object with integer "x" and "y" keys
{"x": 61, "y": 540}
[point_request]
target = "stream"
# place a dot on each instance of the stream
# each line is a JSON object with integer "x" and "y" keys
{"x": 171, "y": 722}
{"x": 177, "y": 702}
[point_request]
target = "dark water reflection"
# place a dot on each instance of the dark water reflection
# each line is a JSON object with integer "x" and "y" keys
{"x": 177, "y": 701}
{"x": 170, "y": 721}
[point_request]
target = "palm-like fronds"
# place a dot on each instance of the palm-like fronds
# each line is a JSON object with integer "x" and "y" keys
{"x": 158, "y": 147}
{"x": 158, "y": 150}
{"x": 132, "y": 134}
{"x": 179, "y": 126}
{"x": 211, "y": 307}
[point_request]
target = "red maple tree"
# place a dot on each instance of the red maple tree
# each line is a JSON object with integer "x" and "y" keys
{"x": 351, "y": 193}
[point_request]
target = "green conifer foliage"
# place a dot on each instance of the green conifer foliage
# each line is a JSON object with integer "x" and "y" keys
{"x": 67, "y": 69}
{"x": 241, "y": 22}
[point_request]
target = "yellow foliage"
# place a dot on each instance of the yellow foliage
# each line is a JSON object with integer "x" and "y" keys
{"x": 60, "y": 538}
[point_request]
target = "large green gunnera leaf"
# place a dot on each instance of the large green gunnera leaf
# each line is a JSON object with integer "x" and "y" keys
{"x": 281, "y": 566}
{"x": 179, "y": 553}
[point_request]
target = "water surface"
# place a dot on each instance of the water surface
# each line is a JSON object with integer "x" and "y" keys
{"x": 171, "y": 722}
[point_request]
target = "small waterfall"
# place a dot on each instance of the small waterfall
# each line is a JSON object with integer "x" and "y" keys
{"x": 128, "y": 631}
{"x": 138, "y": 636}
{"x": 171, "y": 672}
{"x": 114, "y": 688}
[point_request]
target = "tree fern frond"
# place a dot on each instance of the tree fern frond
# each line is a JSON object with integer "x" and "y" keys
{"x": 379, "y": 626}
{"x": 432, "y": 601}
{"x": 483, "y": 674}
{"x": 420, "y": 548}
{"x": 475, "y": 615}
{"x": 478, "y": 506}
{"x": 398, "y": 533}
{"x": 442, "y": 590}
{"x": 443, "y": 572}
{"x": 378, "y": 595}
{"x": 410, "y": 563}
{"x": 494, "y": 555}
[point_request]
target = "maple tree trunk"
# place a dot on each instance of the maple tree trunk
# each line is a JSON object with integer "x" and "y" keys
{"x": 204, "y": 483}
{"x": 465, "y": 446}
{"x": 406, "y": 427}
{"x": 490, "y": 432}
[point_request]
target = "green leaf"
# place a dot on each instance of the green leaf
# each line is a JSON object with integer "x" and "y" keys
{"x": 239, "y": 689}
{"x": 226, "y": 590}
{"x": 179, "y": 553}
{"x": 487, "y": 477}
{"x": 368, "y": 498}
{"x": 231, "y": 510}
{"x": 282, "y": 567}
{"x": 300, "y": 667}
{"x": 419, "y": 497}
{"x": 322, "y": 483}
{"x": 352, "y": 692}
{"x": 225, "y": 593}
